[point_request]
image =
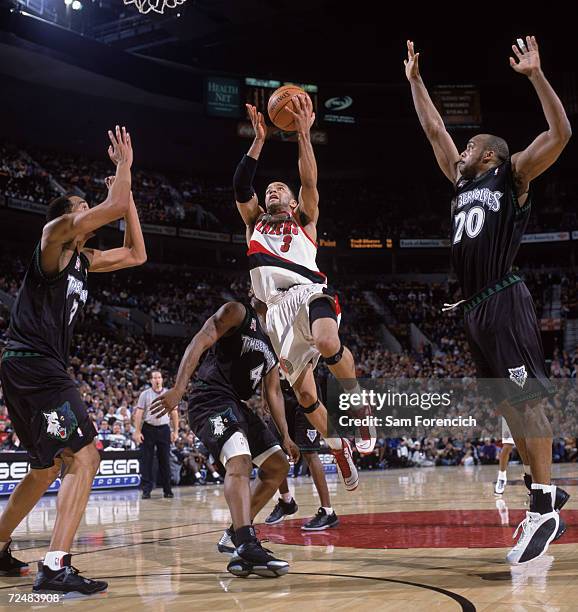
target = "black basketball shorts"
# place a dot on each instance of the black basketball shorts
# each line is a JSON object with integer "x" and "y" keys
{"x": 504, "y": 337}
{"x": 214, "y": 417}
{"x": 45, "y": 407}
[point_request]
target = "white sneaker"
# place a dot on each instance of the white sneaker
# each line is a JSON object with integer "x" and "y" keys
{"x": 538, "y": 530}
{"x": 344, "y": 460}
{"x": 367, "y": 435}
{"x": 225, "y": 544}
{"x": 500, "y": 486}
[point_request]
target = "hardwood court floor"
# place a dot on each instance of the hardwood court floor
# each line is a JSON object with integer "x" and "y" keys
{"x": 414, "y": 539}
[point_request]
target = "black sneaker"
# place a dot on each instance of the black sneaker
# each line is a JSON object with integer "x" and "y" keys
{"x": 66, "y": 581}
{"x": 10, "y": 566}
{"x": 561, "y": 496}
{"x": 146, "y": 495}
{"x": 321, "y": 521}
{"x": 252, "y": 558}
{"x": 226, "y": 544}
{"x": 169, "y": 495}
{"x": 281, "y": 510}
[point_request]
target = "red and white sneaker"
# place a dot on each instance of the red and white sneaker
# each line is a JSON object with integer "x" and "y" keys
{"x": 344, "y": 460}
{"x": 366, "y": 435}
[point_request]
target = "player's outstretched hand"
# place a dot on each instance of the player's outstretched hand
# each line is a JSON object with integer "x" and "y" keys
{"x": 528, "y": 56}
{"x": 120, "y": 149}
{"x": 291, "y": 449}
{"x": 411, "y": 63}
{"x": 258, "y": 122}
{"x": 166, "y": 403}
{"x": 303, "y": 113}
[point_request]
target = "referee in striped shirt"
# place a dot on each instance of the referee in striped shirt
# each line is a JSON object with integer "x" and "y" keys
{"x": 151, "y": 432}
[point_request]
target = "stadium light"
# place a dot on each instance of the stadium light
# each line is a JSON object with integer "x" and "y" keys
{"x": 68, "y": 2}
{"x": 76, "y": 5}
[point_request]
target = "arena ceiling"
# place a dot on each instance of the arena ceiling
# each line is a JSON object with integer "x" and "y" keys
{"x": 332, "y": 41}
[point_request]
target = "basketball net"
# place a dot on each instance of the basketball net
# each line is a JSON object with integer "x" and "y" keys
{"x": 159, "y": 6}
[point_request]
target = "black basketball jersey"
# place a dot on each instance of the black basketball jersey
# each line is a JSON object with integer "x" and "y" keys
{"x": 487, "y": 228}
{"x": 46, "y": 308}
{"x": 237, "y": 363}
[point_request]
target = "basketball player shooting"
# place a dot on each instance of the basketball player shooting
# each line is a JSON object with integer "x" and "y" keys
{"x": 43, "y": 402}
{"x": 302, "y": 315}
{"x": 490, "y": 211}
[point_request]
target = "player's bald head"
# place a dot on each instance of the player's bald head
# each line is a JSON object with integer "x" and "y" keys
{"x": 496, "y": 144}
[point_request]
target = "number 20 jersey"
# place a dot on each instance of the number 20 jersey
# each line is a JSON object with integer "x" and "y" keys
{"x": 281, "y": 255}
{"x": 487, "y": 228}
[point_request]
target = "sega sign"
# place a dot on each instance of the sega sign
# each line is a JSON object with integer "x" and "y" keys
{"x": 327, "y": 461}
{"x": 121, "y": 471}
{"x": 118, "y": 466}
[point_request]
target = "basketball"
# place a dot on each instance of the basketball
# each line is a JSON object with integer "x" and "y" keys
{"x": 280, "y": 100}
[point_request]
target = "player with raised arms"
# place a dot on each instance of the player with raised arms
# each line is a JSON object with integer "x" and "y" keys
{"x": 490, "y": 211}
{"x": 44, "y": 404}
{"x": 302, "y": 313}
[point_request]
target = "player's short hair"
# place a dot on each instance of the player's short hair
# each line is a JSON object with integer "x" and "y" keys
{"x": 498, "y": 145}
{"x": 291, "y": 190}
{"x": 59, "y": 206}
{"x": 155, "y": 371}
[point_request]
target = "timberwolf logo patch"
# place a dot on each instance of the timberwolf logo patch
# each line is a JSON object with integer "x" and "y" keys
{"x": 518, "y": 375}
{"x": 221, "y": 422}
{"x": 312, "y": 434}
{"x": 218, "y": 426}
{"x": 61, "y": 423}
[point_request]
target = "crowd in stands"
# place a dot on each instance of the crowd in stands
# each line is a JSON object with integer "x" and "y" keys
{"x": 366, "y": 208}
{"x": 111, "y": 367}
{"x": 22, "y": 178}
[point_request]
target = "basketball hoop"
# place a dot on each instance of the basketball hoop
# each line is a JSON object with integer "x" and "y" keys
{"x": 158, "y": 6}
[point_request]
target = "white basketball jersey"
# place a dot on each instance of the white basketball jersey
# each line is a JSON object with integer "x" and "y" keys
{"x": 281, "y": 255}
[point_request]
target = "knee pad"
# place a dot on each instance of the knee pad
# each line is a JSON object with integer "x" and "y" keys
{"x": 309, "y": 409}
{"x": 335, "y": 358}
{"x": 321, "y": 308}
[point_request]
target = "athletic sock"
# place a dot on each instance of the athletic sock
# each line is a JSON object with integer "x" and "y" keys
{"x": 287, "y": 497}
{"x": 334, "y": 443}
{"x": 328, "y": 510}
{"x": 56, "y": 559}
{"x": 542, "y": 498}
{"x": 245, "y": 534}
{"x": 502, "y": 475}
